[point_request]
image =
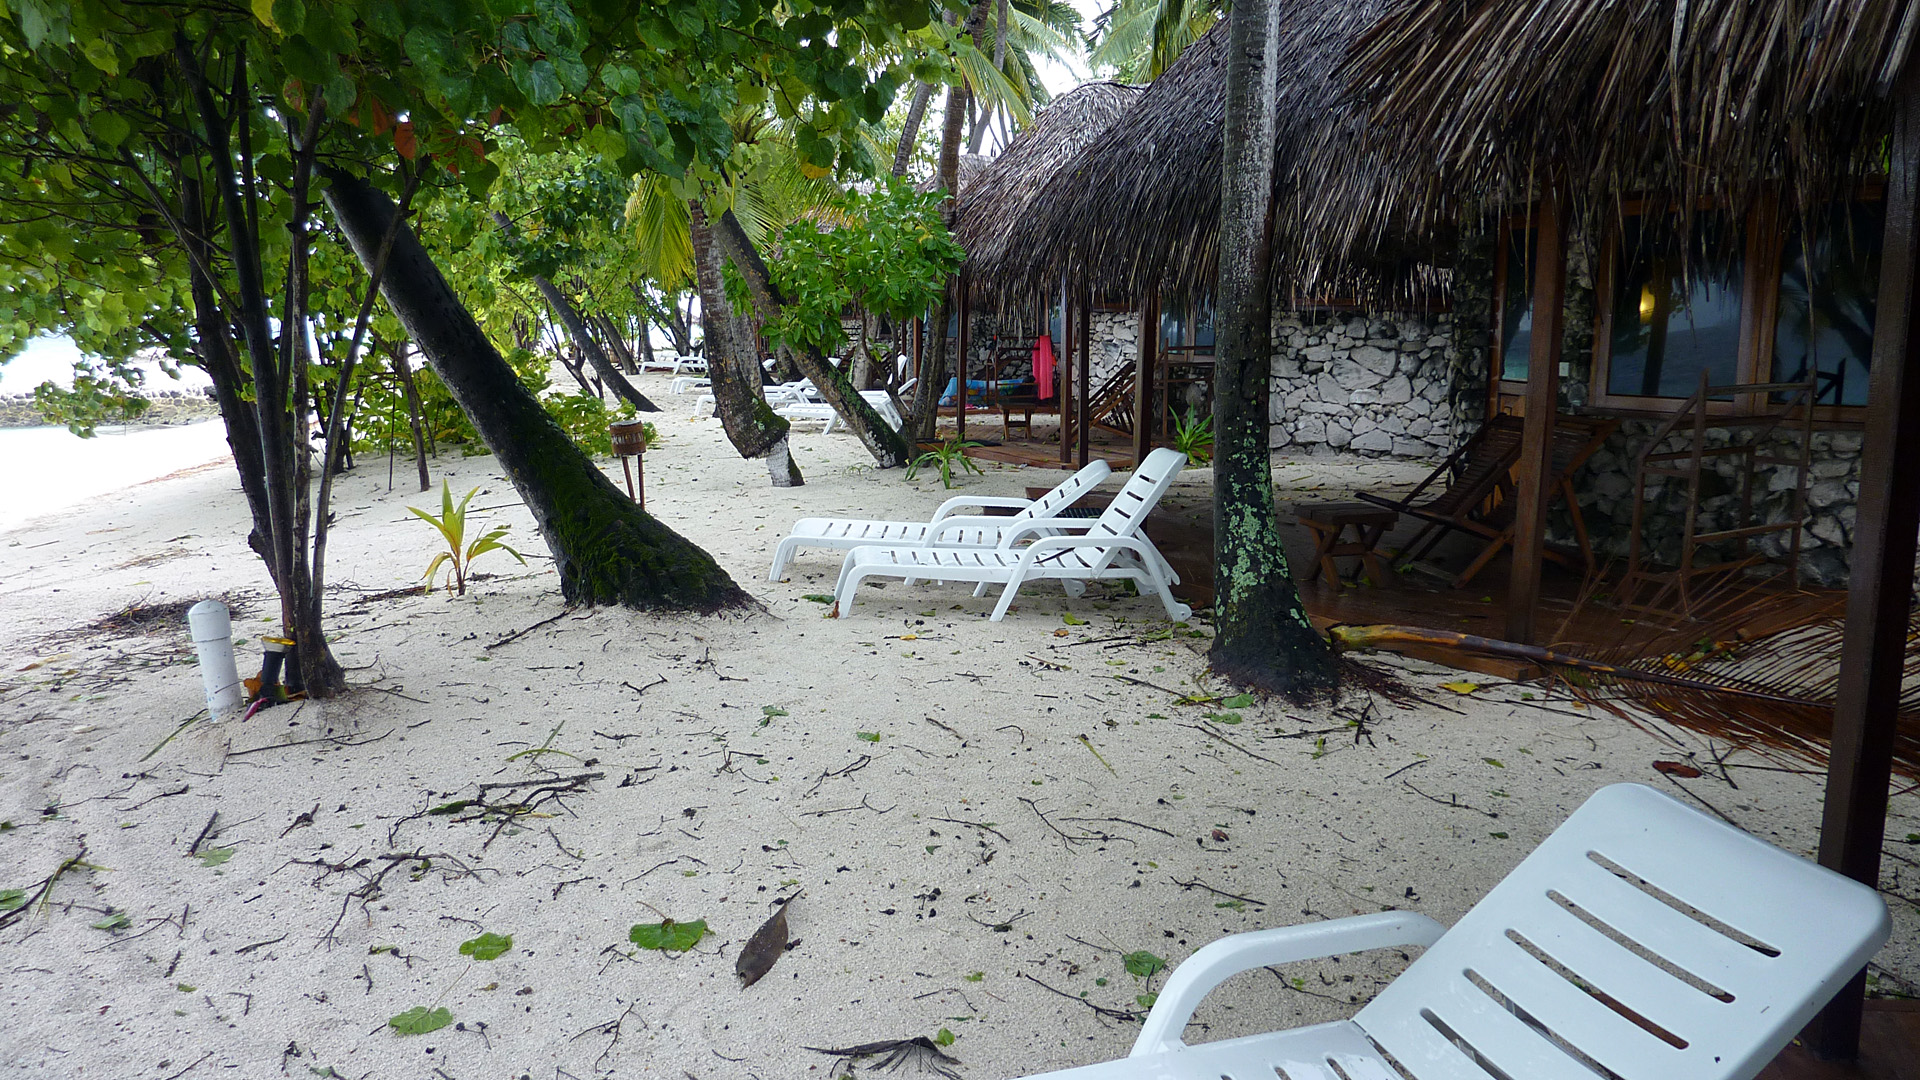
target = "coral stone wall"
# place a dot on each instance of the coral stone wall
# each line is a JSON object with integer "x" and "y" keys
{"x": 1378, "y": 386}
{"x": 169, "y": 407}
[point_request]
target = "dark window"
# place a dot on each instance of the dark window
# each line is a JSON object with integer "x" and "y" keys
{"x": 1828, "y": 288}
{"x": 1516, "y": 315}
{"x": 1675, "y": 317}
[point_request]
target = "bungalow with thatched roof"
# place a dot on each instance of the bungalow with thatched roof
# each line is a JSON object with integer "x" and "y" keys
{"x": 1360, "y": 364}
{"x": 1716, "y": 164}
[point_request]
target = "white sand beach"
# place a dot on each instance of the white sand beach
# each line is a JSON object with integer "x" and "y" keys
{"x": 981, "y": 819}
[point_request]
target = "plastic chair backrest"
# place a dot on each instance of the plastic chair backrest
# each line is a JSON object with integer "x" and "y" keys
{"x": 1068, "y": 492}
{"x": 1642, "y": 937}
{"x": 1141, "y": 493}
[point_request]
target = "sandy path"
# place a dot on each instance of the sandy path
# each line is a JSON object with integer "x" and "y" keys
{"x": 973, "y": 809}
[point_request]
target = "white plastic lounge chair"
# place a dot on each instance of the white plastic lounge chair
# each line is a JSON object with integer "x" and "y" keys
{"x": 683, "y": 383}
{"x": 948, "y": 526}
{"x": 821, "y": 411}
{"x": 1113, "y": 548}
{"x": 1675, "y": 948}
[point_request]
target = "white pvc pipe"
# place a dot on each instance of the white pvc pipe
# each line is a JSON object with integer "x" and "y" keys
{"x": 213, "y": 640}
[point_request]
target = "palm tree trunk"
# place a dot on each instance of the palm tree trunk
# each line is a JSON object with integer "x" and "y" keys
{"x": 1261, "y": 634}
{"x": 605, "y": 549}
{"x": 889, "y": 448}
{"x": 732, "y": 369}
{"x": 910, "y": 131}
{"x": 415, "y": 417}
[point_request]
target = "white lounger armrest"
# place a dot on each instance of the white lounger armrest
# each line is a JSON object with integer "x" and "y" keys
{"x": 1032, "y": 528}
{"x": 965, "y": 521}
{"x": 1213, "y": 964}
{"x": 958, "y": 501}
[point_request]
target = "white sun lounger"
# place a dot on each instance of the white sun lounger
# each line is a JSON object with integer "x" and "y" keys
{"x": 1642, "y": 940}
{"x": 1113, "y": 548}
{"x": 948, "y": 527}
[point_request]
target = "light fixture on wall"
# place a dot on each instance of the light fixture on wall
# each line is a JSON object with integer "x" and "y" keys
{"x": 1646, "y": 303}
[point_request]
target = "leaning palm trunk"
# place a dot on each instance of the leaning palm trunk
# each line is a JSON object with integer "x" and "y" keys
{"x": 753, "y": 428}
{"x": 889, "y": 448}
{"x": 1262, "y": 637}
{"x": 605, "y": 549}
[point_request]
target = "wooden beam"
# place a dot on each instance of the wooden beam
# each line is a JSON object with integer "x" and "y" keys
{"x": 1880, "y": 585}
{"x": 1145, "y": 360}
{"x": 1066, "y": 375}
{"x": 1086, "y": 375}
{"x": 1536, "y": 439}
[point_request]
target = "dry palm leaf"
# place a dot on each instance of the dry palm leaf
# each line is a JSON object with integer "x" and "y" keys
{"x": 765, "y": 948}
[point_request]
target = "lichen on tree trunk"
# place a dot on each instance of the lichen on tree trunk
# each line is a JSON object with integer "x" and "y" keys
{"x": 606, "y": 549}
{"x": 1262, "y": 637}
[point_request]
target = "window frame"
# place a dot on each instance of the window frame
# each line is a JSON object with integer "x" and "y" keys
{"x": 1766, "y": 240}
{"x": 1497, "y": 355}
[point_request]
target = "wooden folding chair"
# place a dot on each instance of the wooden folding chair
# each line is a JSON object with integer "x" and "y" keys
{"x": 1478, "y": 490}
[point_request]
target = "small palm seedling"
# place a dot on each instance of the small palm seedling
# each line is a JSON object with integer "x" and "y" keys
{"x": 452, "y": 524}
{"x": 943, "y": 459}
{"x": 1193, "y": 436}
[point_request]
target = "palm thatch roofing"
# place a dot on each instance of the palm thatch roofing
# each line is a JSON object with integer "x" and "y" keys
{"x": 1481, "y": 103}
{"x": 993, "y": 201}
{"x": 1138, "y": 209}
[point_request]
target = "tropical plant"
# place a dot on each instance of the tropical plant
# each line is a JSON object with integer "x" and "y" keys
{"x": 1193, "y": 436}
{"x": 1139, "y": 39}
{"x": 943, "y": 459}
{"x": 451, "y": 523}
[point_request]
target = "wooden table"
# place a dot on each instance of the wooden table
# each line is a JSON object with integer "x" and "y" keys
{"x": 1329, "y": 522}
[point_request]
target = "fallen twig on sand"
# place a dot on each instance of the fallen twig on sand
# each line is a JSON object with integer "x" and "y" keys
{"x": 40, "y": 891}
{"x": 1196, "y": 883}
{"x": 1066, "y": 837}
{"x": 1451, "y": 801}
{"x": 1111, "y": 1014}
{"x": 657, "y": 680}
{"x": 897, "y": 1052}
{"x": 517, "y": 634}
{"x": 1212, "y": 734}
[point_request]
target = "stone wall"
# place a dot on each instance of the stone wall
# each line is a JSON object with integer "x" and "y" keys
{"x": 1380, "y": 385}
{"x": 168, "y": 407}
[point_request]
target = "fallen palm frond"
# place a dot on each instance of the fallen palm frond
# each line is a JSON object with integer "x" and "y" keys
{"x": 1756, "y": 665}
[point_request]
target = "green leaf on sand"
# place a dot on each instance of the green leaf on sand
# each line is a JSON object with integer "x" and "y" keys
{"x": 867, "y": 736}
{"x": 1238, "y": 701}
{"x": 1073, "y": 620}
{"x": 487, "y": 946}
{"x": 1143, "y": 964}
{"x": 667, "y": 935}
{"x": 419, "y": 1020}
{"x": 214, "y": 856}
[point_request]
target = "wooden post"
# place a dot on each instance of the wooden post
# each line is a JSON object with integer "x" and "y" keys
{"x": 1143, "y": 365}
{"x": 1086, "y": 376}
{"x": 960, "y": 364}
{"x": 1880, "y": 586}
{"x": 1065, "y": 357}
{"x": 1536, "y": 438}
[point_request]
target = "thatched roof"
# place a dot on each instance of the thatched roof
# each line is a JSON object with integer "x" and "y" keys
{"x": 1139, "y": 208}
{"x": 993, "y": 202}
{"x": 970, "y": 168}
{"x": 1476, "y": 103}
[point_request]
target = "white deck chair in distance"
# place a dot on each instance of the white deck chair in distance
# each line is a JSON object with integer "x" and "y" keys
{"x": 1112, "y": 548}
{"x": 1642, "y": 940}
{"x": 947, "y": 526}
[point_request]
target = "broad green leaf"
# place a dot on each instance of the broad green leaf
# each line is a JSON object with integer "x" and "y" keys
{"x": 119, "y": 920}
{"x": 419, "y": 1020}
{"x": 1460, "y": 686}
{"x": 1238, "y": 701}
{"x": 944, "y": 1038}
{"x": 867, "y": 736}
{"x": 487, "y": 946}
{"x": 668, "y": 935}
{"x": 215, "y": 856}
{"x": 1143, "y": 964}
{"x": 1073, "y": 620}
{"x": 111, "y": 128}
{"x": 12, "y": 898}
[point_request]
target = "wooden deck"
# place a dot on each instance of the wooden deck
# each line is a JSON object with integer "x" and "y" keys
{"x": 1889, "y": 1049}
{"x": 1420, "y": 596}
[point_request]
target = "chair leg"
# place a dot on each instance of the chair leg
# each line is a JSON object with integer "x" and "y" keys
{"x": 1486, "y": 556}
{"x": 782, "y": 555}
{"x": 1006, "y": 598}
